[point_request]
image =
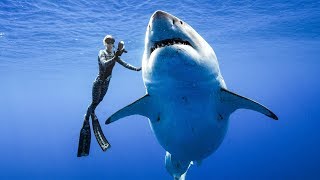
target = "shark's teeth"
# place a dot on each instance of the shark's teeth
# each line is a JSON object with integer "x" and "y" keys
{"x": 168, "y": 42}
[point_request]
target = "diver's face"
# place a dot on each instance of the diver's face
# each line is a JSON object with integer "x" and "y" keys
{"x": 109, "y": 46}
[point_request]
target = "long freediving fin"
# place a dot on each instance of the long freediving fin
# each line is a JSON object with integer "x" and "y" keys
{"x": 98, "y": 133}
{"x": 236, "y": 102}
{"x": 140, "y": 106}
{"x": 84, "y": 139}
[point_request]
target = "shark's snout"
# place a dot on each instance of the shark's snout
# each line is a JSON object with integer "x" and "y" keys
{"x": 159, "y": 14}
{"x": 168, "y": 17}
{"x": 166, "y": 20}
{"x": 165, "y": 30}
{"x": 161, "y": 21}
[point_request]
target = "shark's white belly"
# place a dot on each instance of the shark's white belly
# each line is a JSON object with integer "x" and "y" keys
{"x": 189, "y": 126}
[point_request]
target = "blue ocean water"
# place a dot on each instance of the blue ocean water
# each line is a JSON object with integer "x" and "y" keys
{"x": 267, "y": 50}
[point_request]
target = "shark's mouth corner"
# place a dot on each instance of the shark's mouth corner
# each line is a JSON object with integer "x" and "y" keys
{"x": 169, "y": 42}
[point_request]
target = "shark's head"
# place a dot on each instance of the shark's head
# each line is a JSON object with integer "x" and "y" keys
{"x": 175, "y": 51}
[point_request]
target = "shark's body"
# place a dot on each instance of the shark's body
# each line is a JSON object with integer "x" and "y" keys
{"x": 187, "y": 102}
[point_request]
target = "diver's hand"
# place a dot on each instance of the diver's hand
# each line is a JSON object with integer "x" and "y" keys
{"x": 138, "y": 69}
{"x": 118, "y": 53}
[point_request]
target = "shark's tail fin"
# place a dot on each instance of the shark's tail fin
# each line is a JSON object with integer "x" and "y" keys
{"x": 235, "y": 101}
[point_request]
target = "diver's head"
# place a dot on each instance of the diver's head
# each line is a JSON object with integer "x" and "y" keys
{"x": 108, "y": 42}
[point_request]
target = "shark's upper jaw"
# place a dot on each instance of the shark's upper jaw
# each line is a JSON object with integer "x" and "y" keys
{"x": 168, "y": 42}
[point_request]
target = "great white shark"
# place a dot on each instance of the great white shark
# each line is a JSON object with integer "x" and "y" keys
{"x": 186, "y": 101}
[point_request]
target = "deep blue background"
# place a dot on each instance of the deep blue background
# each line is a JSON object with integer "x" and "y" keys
{"x": 267, "y": 50}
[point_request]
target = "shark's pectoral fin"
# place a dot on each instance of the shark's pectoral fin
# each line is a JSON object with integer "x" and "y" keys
{"x": 140, "y": 106}
{"x": 235, "y": 101}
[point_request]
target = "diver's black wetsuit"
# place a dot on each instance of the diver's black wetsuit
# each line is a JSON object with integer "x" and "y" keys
{"x": 106, "y": 61}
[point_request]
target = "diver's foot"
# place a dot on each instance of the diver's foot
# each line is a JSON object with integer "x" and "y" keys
{"x": 85, "y": 139}
{"x": 103, "y": 142}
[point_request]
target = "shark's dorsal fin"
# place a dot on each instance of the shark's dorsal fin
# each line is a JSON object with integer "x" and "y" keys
{"x": 236, "y": 101}
{"x": 140, "y": 106}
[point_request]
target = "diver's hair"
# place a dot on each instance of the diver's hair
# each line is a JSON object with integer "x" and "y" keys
{"x": 108, "y": 37}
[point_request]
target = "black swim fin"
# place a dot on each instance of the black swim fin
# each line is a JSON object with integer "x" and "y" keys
{"x": 84, "y": 140}
{"x": 103, "y": 142}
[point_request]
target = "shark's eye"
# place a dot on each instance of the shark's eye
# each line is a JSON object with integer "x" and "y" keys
{"x": 181, "y": 22}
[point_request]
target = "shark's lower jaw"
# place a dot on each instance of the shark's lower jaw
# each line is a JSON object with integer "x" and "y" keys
{"x": 168, "y": 42}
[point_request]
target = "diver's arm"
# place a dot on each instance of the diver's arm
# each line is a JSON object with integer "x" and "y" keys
{"x": 127, "y": 65}
{"x": 105, "y": 62}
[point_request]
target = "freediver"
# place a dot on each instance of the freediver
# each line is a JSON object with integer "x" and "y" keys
{"x": 107, "y": 59}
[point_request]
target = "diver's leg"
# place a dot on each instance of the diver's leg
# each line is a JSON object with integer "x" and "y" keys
{"x": 96, "y": 96}
{"x": 177, "y": 168}
{"x": 85, "y": 133}
{"x": 103, "y": 142}
{"x": 104, "y": 89}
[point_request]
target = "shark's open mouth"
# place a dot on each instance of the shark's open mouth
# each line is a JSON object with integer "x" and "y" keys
{"x": 168, "y": 42}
